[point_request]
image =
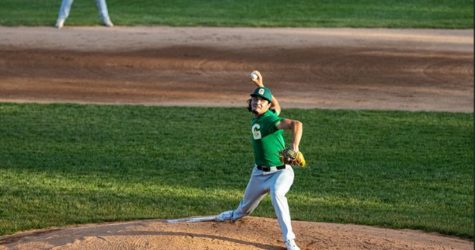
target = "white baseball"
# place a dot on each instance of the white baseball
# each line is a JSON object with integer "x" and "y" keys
{"x": 254, "y": 76}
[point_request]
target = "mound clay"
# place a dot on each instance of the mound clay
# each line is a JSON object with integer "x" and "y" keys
{"x": 248, "y": 233}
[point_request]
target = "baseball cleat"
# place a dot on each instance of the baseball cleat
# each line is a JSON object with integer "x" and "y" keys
{"x": 224, "y": 216}
{"x": 291, "y": 245}
{"x": 59, "y": 24}
{"x": 108, "y": 23}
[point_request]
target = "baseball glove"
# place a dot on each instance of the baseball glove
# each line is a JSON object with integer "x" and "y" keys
{"x": 288, "y": 156}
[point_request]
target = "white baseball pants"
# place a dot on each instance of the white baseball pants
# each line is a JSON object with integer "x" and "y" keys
{"x": 275, "y": 182}
{"x": 66, "y": 7}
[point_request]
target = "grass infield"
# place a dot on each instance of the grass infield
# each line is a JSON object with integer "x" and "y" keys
{"x": 65, "y": 164}
{"x": 448, "y": 14}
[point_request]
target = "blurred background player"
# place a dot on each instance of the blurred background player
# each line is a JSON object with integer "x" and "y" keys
{"x": 66, "y": 7}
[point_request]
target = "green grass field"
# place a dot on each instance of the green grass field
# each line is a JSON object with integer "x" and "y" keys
{"x": 66, "y": 164}
{"x": 263, "y": 13}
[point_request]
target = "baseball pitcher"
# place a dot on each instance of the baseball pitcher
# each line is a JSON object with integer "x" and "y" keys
{"x": 272, "y": 172}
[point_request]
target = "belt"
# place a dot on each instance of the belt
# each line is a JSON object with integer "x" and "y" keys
{"x": 267, "y": 169}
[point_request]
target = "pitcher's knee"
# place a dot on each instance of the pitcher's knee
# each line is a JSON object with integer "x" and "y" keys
{"x": 277, "y": 195}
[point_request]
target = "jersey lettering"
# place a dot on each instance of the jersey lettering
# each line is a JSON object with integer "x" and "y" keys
{"x": 256, "y": 131}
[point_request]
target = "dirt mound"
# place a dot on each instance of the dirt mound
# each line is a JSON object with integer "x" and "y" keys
{"x": 248, "y": 233}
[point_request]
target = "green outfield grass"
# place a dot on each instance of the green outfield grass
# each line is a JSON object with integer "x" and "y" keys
{"x": 268, "y": 13}
{"x": 67, "y": 164}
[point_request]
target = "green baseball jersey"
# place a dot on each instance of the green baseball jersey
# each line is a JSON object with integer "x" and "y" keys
{"x": 267, "y": 140}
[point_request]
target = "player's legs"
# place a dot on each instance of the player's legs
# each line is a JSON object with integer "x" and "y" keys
{"x": 255, "y": 192}
{"x": 63, "y": 12}
{"x": 103, "y": 12}
{"x": 281, "y": 183}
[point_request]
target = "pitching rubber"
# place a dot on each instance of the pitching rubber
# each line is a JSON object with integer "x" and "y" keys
{"x": 193, "y": 219}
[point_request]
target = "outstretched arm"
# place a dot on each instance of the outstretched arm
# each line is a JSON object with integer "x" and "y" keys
{"x": 296, "y": 127}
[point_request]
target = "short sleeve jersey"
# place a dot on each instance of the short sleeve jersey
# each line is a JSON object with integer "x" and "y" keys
{"x": 267, "y": 140}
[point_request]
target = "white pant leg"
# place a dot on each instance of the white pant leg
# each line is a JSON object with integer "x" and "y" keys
{"x": 102, "y": 8}
{"x": 282, "y": 181}
{"x": 255, "y": 192}
{"x": 64, "y": 9}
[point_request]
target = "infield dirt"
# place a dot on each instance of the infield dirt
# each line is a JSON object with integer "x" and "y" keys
{"x": 306, "y": 68}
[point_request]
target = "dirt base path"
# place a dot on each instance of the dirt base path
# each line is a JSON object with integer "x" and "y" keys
{"x": 306, "y": 68}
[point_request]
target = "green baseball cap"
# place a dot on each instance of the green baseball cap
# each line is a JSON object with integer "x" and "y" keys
{"x": 263, "y": 92}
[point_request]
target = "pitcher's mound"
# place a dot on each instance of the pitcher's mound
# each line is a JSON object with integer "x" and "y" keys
{"x": 248, "y": 233}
